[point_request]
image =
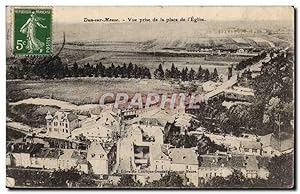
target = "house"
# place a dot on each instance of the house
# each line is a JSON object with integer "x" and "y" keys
{"x": 61, "y": 124}
{"x": 270, "y": 145}
{"x": 18, "y": 153}
{"x": 213, "y": 165}
{"x": 147, "y": 131}
{"x": 150, "y": 121}
{"x": 159, "y": 158}
{"x": 128, "y": 114}
{"x": 8, "y": 160}
{"x": 287, "y": 144}
{"x": 253, "y": 170}
{"x": 19, "y": 159}
{"x": 160, "y": 114}
{"x": 94, "y": 132}
{"x": 98, "y": 127}
{"x": 71, "y": 158}
{"x": 34, "y": 155}
{"x": 275, "y": 146}
{"x": 97, "y": 157}
{"x": 217, "y": 165}
{"x": 251, "y": 167}
{"x": 185, "y": 162}
{"x": 45, "y": 158}
{"x": 125, "y": 155}
{"x": 250, "y": 148}
{"x": 146, "y": 135}
{"x": 239, "y": 94}
{"x": 243, "y": 144}
{"x": 263, "y": 165}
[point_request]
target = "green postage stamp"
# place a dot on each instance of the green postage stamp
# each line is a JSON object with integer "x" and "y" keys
{"x": 32, "y": 31}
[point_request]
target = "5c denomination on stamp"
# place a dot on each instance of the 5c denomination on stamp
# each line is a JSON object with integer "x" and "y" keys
{"x": 32, "y": 31}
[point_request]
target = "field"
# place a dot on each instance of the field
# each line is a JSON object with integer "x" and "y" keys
{"x": 83, "y": 90}
{"x": 149, "y": 60}
{"x": 142, "y": 47}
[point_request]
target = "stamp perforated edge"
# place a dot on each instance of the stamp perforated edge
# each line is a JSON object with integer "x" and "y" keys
{"x": 11, "y": 19}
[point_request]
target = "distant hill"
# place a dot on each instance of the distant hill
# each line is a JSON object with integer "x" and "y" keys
{"x": 174, "y": 31}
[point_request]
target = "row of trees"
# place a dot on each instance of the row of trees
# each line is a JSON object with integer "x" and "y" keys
{"x": 250, "y": 61}
{"x": 56, "y": 69}
{"x": 171, "y": 180}
{"x": 99, "y": 70}
{"x": 57, "y": 179}
{"x": 26, "y": 70}
{"x": 185, "y": 74}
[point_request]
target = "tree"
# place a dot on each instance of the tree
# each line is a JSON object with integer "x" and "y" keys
{"x": 58, "y": 178}
{"x": 159, "y": 73}
{"x": 206, "y": 75}
{"x": 191, "y": 75}
{"x": 168, "y": 74}
{"x": 235, "y": 180}
{"x": 199, "y": 73}
{"x": 127, "y": 180}
{"x": 70, "y": 178}
{"x": 173, "y": 71}
{"x": 171, "y": 179}
{"x": 237, "y": 119}
{"x": 66, "y": 72}
{"x": 24, "y": 177}
{"x": 274, "y": 94}
{"x": 184, "y": 72}
{"x": 124, "y": 71}
{"x": 97, "y": 70}
{"x": 148, "y": 74}
{"x": 177, "y": 73}
{"x": 85, "y": 180}
{"x": 230, "y": 72}
{"x": 135, "y": 71}
{"x": 101, "y": 70}
{"x": 87, "y": 70}
{"x": 182, "y": 140}
{"x": 74, "y": 70}
{"x": 214, "y": 75}
{"x": 56, "y": 69}
{"x": 130, "y": 70}
{"x": 205, "y": 144}
{"x": 282, "y": 173}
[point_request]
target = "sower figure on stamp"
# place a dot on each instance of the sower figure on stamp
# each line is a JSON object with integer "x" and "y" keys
{"x": 29, "y": 28}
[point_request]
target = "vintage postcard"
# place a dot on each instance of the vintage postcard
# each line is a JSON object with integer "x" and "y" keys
{"x": 150, "y": 97}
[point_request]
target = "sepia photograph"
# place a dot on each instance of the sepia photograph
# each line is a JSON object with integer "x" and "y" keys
{"x": 150, "y": 97}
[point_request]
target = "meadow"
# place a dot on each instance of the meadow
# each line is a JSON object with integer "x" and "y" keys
{"x": 83, "y": 90}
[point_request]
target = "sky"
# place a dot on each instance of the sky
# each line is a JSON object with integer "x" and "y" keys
{"x": 77, "y": 14}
